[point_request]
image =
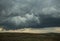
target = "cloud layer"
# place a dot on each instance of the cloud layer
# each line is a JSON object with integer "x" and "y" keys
{"x": 15, "y": 14}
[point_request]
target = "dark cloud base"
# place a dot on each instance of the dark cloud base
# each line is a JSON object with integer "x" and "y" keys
{"x": 46, "y": 23}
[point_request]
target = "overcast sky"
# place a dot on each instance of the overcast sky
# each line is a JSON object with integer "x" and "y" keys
{"x": 16, "y": 14}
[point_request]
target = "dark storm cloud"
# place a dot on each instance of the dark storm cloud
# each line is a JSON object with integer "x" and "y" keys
{"x": 29, "y": 13}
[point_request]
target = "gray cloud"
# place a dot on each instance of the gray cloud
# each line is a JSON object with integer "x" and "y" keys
{"x": 29, "y": 13}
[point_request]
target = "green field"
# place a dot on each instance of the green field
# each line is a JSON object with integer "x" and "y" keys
{"x": 29, "y": 37}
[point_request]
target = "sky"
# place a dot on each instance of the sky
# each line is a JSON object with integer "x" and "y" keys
{"x": 20, "y": 14}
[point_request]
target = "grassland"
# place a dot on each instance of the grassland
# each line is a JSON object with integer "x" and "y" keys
{"x": 29, "y": 37}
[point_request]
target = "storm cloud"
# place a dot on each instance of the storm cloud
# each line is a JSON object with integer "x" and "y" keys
{"x": 15, "y": 14}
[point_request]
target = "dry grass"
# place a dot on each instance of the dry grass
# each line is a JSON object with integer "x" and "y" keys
{"x": 29, "y": 37}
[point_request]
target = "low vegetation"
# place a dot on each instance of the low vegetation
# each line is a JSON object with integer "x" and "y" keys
{"x": 29, "y": 37}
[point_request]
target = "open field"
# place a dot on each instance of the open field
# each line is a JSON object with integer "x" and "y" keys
{"x": 29, "y": 37}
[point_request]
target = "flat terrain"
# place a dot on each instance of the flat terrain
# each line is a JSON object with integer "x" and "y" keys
{"x": 29, "y": 37}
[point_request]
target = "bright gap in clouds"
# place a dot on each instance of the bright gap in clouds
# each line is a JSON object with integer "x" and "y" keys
{"x": 34, "y": 30}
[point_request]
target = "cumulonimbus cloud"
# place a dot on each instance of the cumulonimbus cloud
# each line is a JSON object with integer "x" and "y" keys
{"x": 29, "y": 13}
